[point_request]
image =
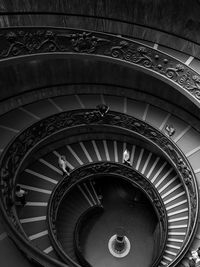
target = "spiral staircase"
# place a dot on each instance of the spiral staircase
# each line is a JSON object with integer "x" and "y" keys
{"x": 58, "y": 63}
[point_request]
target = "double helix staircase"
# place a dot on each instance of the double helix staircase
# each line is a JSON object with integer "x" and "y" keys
{"x": 41, "y": 176}
{"x": 155, "y": 168}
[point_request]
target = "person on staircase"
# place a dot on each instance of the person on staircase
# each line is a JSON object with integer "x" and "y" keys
{"x": 194, "y": 260}
{"x": 126, "y": 157}
{"x": 21, "y": 195}
{"x": 62, "y": 162}
{"x": 103, "y": 109}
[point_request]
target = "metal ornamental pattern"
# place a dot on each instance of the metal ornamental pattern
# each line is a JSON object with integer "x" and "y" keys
{"x": 94, "y": 170}
{"x": 28, "y": 41}
{"x": 30, "y": 138}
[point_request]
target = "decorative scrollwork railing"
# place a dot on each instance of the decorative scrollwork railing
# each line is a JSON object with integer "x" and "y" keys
{"x": 17, "y": 152}
{"x": 92, "y": 171}
{"x": 31, "y": 41}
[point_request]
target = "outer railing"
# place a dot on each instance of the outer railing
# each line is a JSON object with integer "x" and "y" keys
{"x": 33, "y": 137}
{"x": 26, "y": 41}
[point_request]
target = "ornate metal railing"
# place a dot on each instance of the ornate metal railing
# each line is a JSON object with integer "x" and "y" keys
{"x": 32, "y": 41}
{"x": 33, "y": 137}
{"x": 92, "y": 171}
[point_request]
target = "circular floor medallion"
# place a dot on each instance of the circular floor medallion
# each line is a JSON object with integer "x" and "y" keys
{"x": 119, "y": 253}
